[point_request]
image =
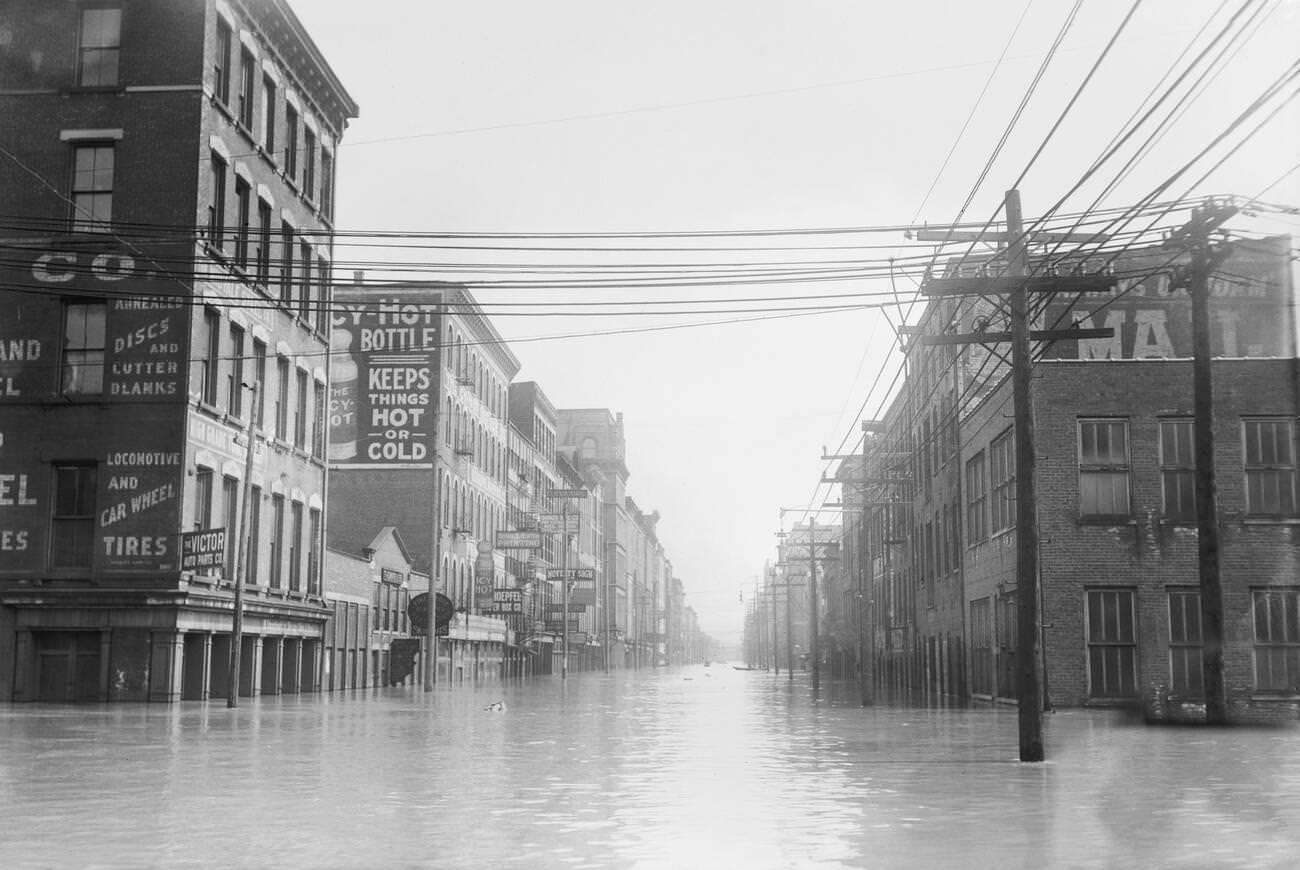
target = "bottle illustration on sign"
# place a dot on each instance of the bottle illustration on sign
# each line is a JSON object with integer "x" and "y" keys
{"x": 343, "y": 397}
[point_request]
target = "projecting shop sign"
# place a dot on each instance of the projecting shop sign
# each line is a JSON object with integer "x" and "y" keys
{"x": 511, "y": 540}
{"x": 203, "y": 549}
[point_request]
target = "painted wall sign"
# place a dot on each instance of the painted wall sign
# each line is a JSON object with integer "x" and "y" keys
{"x": 133, "y": 521}
{"x": 1151, "y": 310}
{"x": 385, "y": 379}
{"x": 136, "y": 343}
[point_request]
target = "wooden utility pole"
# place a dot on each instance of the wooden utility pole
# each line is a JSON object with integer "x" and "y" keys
{"x": 241, "y": 554}
{"x": 789, "y": 635}
{"x": 435, "y": 522}
{"x": 1029, "y": 676}
{"x": 812, "y": 603}
{"x": 1016, "y": 285}
{"x": 1204, "y": 261}
{"x": 776, "y": 638}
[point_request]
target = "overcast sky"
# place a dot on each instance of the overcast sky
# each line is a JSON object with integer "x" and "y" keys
{"x": 714, "y": 115}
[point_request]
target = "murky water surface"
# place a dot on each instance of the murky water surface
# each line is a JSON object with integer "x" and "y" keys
{"x": 682, "y": 768}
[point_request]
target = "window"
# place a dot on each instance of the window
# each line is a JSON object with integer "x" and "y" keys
{"x": 247, "y": 72}
{"x": 1186, "y": 661}
{"x": 286, "y": 262}
{"x": 235, "y": 380}
{"x": 244, "y": 202}
{"x": 92, "y": 187}
{"x": 304, "y": 286}
{"x": 100, "y": 47}
{"x": 308, "y": 163}
{"x": 327, "y": 184}
{"x": 259, "y": 376}
{"x": 976, "y": 499}
{"x": 268, "y": 114}
{"x": 300, "y": 412}
{"x": 263, "y": 257}
{"x": 1112, "y": 643}
{"x": 230, "y": 501}
{"x": 72, "y": 517}
{"x": 981, "y": 647}
{"x": 313, "y": 552}
{"x": 211, "y": 357}
{"x": 202, "y": 499}
{"x": 1103, "y": 468}
{"x": 1277, "y": 640}
{"x": 217, "y": 207}
{"x": 282, "y": 398}
{"x": 277, "y": 540}
{"x": 295, "y": 548}
{"x": 1178, "y": 470}
{"x": 221, "y": 63}
{"x": 1270, "y": 467}
{"x": 83, "y": 348}
{"x": 322, "y": 295}
{"x": 290, "y": 142}
{"x": 1002, "y": 478}
{"x": 318, "y": 429}
{"x": 254, "y": 536}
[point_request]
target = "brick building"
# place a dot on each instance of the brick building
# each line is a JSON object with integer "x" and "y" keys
{"x": 168, "y": 174}
{"x": 368, "y": 636}
{"x": 1114, "y": 481}
{"x": 419, "y": 441}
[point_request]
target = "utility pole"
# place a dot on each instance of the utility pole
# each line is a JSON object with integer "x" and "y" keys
{"x": 776, "y": 637}
{"x": 789, "y": 635}
{"x": 1029, "y": 683}
{"x": 1016, "y": 285}
{"x": 242, "y": 555}
{"x": 435, "y": 525}
{"x": 812, "y": 603}
{"x": 1196, "y": 235}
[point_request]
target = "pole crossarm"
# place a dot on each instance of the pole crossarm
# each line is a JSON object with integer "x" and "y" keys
{"x": 994, "y": 286}
{"x": 1003, "y": 238}
{"x": 998, "y": 337}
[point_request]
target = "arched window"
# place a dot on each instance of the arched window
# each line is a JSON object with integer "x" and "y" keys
{"x": 588, "y": 448}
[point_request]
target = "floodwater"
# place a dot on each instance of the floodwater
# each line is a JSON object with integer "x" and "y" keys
{"x": 673, "y": 768}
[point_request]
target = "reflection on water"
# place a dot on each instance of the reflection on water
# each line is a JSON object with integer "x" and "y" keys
{"x": 680, "y": 768}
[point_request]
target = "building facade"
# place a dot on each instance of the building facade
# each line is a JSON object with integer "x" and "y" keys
{"x": 1117, "y": 522}
{"x": 419, "y": 440}
{"x": 368, "y": 636}
{"x": 171, "y": 204}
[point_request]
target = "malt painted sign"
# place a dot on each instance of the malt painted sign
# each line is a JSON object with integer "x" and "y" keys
{"x": 1151, "y": 311}
{"x": 384, "y": 381}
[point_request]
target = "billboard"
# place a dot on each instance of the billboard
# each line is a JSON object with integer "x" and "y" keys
{"x": 384, "y": 384}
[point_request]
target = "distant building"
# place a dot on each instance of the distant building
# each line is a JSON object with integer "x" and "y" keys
{"x": 368, "y": 637}
{"x": 168, "y": 180}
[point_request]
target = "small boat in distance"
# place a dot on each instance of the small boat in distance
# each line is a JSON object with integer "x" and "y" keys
{"x": 744, "y": 667}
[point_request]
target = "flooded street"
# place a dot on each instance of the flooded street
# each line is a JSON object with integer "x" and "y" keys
{"x": 691, "y": 767}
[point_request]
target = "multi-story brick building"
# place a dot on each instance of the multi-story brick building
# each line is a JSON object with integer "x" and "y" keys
{"x": 419, "y": 441}
{"x": 168, "y": 174}
{"x": 1117, "y": 521}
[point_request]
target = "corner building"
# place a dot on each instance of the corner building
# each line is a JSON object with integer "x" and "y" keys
{"x": 169, "y": 185}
